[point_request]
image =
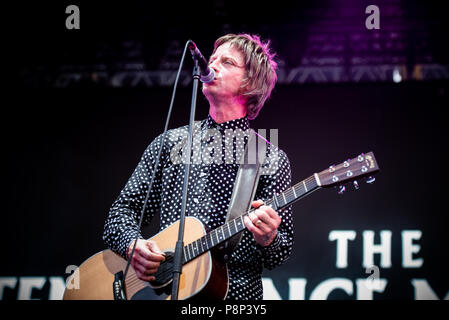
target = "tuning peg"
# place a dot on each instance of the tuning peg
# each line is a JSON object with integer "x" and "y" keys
{"x": 341, "y": 189}
{"x": 356, "y": 185}
{"x": 370, "y": 180}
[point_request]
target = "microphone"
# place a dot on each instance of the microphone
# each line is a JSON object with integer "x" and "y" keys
{"x": 207, "y": 73}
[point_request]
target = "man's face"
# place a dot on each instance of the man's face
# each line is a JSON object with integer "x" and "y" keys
{"x": 229, "y": 67}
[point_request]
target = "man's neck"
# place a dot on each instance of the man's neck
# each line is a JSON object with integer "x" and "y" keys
{"x": 223, "y": 113}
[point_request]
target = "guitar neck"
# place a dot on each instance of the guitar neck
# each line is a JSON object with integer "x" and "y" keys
{"x": 233, "y": 227}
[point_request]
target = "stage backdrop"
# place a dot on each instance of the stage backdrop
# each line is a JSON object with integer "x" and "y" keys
{"x": 69, "y": 152}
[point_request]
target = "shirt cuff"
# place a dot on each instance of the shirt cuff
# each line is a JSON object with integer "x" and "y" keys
{"x": 273, "y": 247}
{"x": 126, "y": 241}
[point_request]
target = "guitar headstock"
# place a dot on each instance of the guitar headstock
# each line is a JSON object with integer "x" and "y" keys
{"x": 362, "y": 166}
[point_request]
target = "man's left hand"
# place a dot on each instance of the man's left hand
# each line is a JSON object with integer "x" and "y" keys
{"x": 262, "y": 223}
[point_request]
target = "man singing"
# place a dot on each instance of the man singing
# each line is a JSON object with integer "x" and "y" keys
{"x": 245, "y": 75}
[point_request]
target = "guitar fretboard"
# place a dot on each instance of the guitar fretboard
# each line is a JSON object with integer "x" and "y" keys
{"x": 233, "y": 227}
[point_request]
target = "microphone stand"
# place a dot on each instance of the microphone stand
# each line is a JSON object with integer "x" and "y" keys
{"x": 178, "y": 256}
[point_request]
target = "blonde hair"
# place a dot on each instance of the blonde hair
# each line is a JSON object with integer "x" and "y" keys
{"x": 260, "y": 69}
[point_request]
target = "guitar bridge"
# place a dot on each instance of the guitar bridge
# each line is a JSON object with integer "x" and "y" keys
{"x": 117, "y": 286}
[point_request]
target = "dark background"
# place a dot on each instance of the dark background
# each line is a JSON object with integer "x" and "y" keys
{"x": 69, "y": 148}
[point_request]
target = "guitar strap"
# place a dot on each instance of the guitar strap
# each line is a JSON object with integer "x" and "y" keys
{"x": 245, "y": 186}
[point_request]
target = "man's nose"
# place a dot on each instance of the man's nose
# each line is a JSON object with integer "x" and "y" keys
{"x": 214, "y": 66}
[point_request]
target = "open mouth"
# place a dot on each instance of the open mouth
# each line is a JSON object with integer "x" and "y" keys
{"x": 212, "y": 82}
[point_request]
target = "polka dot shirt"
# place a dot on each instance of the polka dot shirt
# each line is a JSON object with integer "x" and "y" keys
{"x": 214, "y": 165}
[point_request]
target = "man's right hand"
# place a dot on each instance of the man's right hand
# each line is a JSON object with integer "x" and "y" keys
{"x": 146, "y": 259}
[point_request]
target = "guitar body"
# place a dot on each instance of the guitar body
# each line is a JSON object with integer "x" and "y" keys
{"x": 205, "y": 277}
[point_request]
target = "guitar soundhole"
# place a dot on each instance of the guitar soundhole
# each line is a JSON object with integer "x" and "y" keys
{"x": 164, "y": 274}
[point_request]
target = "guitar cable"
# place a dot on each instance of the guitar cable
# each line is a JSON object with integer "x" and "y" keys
{"x": 155, "y": 166}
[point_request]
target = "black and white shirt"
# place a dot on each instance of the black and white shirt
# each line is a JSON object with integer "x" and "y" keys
{"x": 211, "y": 184}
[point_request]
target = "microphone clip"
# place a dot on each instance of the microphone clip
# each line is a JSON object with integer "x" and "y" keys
{"x": 207, "y": 74}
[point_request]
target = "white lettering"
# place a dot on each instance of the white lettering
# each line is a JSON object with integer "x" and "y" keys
{"x": 73, "y": 20}
{"x": 423, "y": 291}
{"x": 322, "y": 291}
{"x": 373, "y": 20}
{"x": 365, "y": 287}
{"x": 297, "y": 288}
{"x": 269, "y": 291}
{"x": 408, "y": 249}
{"x": 384, "y": 248}
{"x": 190, "y": 309}
{"x": 26, "y": 286}
{"x": 7, "y": 282}
{"x": 342, "y": 238}
{"x": 73, "y": 282}
{"x": 57, "y": 287}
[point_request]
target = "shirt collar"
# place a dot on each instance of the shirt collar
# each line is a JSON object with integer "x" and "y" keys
{"x": 241, "y": 123}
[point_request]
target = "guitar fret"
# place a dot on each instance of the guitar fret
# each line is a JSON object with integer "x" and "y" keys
{"x": 229, "y": 229}
{"x": 290, "y": 196}
{"x": 214, "y": 232}
{"x": 204, "y": 243}
{"x": 211, "y": 238}
{"x": 195, "y": 248}
{"x": 198, "y": 245}
{"x": 294, "y": 192}
{"x": 302, "y": 190}
{"x": 186, "y": 256}
{"x": 210, "y": 242}
{"x": 240, "y": 223}
{"x": 306, "y": 184}
{"x": 236, "y": 228}
{"x": 297, "y": 190}
{"x": 276, "y": 202}
{"x": 226, "y": 233}
{"x": 305, "y": 187}
{"x": 283, "y": 197}
{"x": 217, "y": 234}
{"x": 311, "y": 183}
{"x": 317, "y": 179}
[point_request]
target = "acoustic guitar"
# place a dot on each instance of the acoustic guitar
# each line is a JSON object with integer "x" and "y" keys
{"x": 204, "y": 273}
